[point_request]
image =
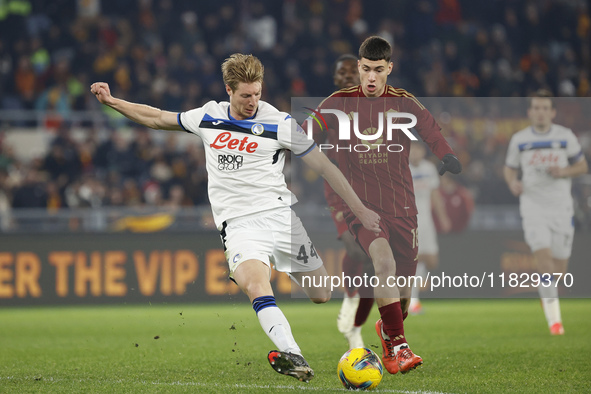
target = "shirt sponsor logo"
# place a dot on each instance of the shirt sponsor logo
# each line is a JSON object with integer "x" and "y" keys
{"x": 230, "y": 162}
{"x": 225, "y": 140}
{"x": 540, "y": 158}
{"x": 257, "y": 129}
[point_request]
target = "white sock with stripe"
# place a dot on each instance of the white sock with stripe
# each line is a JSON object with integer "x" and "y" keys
{"x": 550, "y": 302}
{"x": 275, "y": 324}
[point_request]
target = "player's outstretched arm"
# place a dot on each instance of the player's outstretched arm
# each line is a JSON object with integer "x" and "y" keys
{"x": 151, "y": 117}
{"x": 322, "y": 165}
{"x": 514, "y": 184}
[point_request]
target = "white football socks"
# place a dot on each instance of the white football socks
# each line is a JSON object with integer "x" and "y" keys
{"x": 550, "y": 302}
{"x": 277, "y": 328}
{"x": 421, "y": 273}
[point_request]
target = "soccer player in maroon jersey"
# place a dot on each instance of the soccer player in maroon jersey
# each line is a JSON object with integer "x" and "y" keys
{"x": 357, "y": 302}
{"x": 378, "y": 170}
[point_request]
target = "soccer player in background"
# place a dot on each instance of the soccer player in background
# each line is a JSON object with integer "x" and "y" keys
{"x": 427, "y": 197}
{"x": 381, "y": 178}
{"x": 549, "y": 155}
{"x": 357, "y": 302}
{"x": 245, "y": 141}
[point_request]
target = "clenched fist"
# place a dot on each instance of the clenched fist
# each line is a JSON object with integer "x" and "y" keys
{"x": 102, "y": 92}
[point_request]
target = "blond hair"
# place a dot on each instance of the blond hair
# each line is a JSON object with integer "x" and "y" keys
{"x": 242, "y": 68}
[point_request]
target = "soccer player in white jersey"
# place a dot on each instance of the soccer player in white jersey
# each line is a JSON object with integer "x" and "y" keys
{"x": 549, "y": 155}
{"x": 425, "y": 178}
{"x": 245, "y": 141}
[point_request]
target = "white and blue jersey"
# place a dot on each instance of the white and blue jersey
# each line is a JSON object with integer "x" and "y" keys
{"x": 534, "y": 153}
{"x": 425, "y": 179}
{"x": 245, "y": 158}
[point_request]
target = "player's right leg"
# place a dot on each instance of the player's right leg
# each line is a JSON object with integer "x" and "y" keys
{"x": 542, "y": 240}
{"x": 560, "y": 267}
{"x": 252, "y": 276}
{"x": 396, "y": 355}
{"x": 250, "y": 267}
{"x": 548, "y": 291}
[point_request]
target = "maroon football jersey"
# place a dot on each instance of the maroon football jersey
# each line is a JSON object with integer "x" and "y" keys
{"x": 377, "y": 169}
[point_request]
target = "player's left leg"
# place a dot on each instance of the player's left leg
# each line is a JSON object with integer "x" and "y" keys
{"x": 294, "y": 254}
{"x": 314, "y": 284}
{"x": 249, "y": 262}
{"x": 562, "y": 241}
{"x": 253, "y": 278}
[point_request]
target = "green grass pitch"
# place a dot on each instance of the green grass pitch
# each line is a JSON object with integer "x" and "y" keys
{"x": 484, "y": 346}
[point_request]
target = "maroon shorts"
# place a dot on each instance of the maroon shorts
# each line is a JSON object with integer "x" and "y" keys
{"x": 401, "y": 234}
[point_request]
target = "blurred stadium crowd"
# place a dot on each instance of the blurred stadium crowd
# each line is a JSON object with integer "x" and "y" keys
{"x": 167, "y": 54}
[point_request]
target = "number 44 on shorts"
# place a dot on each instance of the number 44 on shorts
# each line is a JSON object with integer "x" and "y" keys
{"x": 302, "y": 255}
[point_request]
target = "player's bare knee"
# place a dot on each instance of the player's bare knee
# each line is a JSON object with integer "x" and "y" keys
{"x": 256, "y": 289}
{"x": 321, "y": 296}
{"x": 320, "y": 300}
{"x": 432, "y": 263}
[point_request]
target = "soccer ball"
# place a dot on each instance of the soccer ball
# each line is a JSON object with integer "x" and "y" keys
{"x": 360, "y": 369}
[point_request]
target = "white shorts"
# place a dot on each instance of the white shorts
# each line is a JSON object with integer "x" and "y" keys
{"x": 551, "y": 230}
{"x": 276, "y": 237}
{"x": 427, "y": 236}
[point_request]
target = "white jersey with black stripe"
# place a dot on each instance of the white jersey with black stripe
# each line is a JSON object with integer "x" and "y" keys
{"x": 245, "y": 158}
{"x": 534, "y": 152}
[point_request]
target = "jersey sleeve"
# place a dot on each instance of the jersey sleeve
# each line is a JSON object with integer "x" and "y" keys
{"x": 512, "y": 159}
{"x": 428, "y": 128}
{"x": 573, "y": 148}
{"x": 190, "y": 120}
{"x": 293, "y": 137}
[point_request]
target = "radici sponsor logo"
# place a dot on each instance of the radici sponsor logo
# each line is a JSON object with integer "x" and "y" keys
{"x": 371, "y": 138}
{"x": 230, "y": 162}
